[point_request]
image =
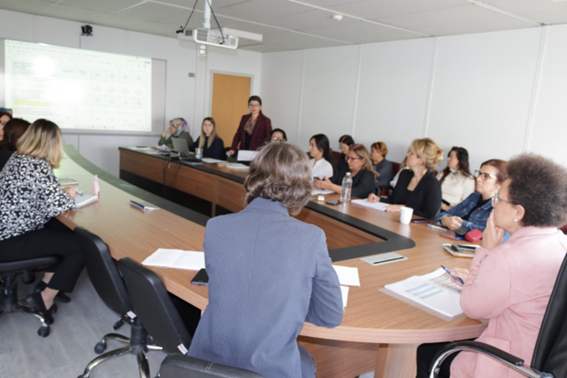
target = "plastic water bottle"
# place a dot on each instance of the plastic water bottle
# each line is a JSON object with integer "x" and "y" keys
{"x": 347, "y": 188}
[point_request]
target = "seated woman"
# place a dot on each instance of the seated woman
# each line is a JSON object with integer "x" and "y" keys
{"x": 178, "y": 128}
{"x": 385, "y": 169}
{"x": 209, "y": 141}
{"x": 345, "y": 143}
{"x": 30, "y": 197}
{"x": 4, "y": 118}
{"x": 510, "y": 284}
{"x": 268, "y": 273}
{"x": 322, "y": 160}
{"x": 13, "y": 130}
{"x": 277, "y": 134}
{"x": 456, "y": 180}
{"x": 361, "y": 170}
{"x": 417, "y": 186}
{"x": 476, "y": 208}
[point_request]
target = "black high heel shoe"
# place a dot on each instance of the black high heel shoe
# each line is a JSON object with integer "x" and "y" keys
{"x": 35, "y": 301}
{"x": 60, "y": 297}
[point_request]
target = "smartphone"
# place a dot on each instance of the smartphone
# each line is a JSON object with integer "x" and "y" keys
{"x": 420, "y": 220}
{"x": 466, "y": 247}
{"x": 333, "y": 202}
{"x": 461, "y": 231}
{"x": 201, "y": 278}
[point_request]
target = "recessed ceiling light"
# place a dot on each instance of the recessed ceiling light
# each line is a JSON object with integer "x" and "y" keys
{"x": 338, "y": 17}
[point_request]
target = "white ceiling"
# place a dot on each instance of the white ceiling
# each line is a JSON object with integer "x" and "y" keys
{"x": 300, "y": 24}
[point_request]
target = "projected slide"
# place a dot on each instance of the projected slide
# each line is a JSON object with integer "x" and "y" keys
{"x": 78, "y": 89}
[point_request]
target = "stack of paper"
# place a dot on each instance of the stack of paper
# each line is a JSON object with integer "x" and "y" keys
{"x": 435, "y": 291}
{"x": 176, "y": 258}
{"x": 347, "y": 276}
{"x": 381, "y": 206}
{"x": 237, "y": 166}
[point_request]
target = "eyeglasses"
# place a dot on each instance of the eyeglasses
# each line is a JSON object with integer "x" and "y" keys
{"x": 276, "y": 138}
{"x": 484, "y": 175}
{"x": 254, "y": 105}
{"x": 351, "y": 158}
{"x": 497, "y": 199}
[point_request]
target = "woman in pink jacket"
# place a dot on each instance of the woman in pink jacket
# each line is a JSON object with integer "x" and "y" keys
{"x": 510, "y": 284}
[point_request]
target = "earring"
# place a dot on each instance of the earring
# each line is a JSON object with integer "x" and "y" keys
{"x": 515, "y": 220}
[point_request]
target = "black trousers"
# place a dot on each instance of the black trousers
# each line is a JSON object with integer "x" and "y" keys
{"x": 425, "y": 355}
{"x": 55, "y": 239}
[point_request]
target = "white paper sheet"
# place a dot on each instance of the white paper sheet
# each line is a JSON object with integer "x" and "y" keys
{"x": 176, "y": 258}
{"x": 211, "y": 160}
{"x": 347, "y": 275}
{"x": 344, "y": 293}
{"x": 245, "y": 155}
{"x": 316, "y": 192}
{"x": 84, "y": 200}
{"x": 237, "y": 166}
{"x": 380, "y": 206}
{"x": 434, "y": 291}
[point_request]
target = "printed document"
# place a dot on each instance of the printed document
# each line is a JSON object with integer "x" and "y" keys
{"x": 176, "y": 258}
{"x": 380, "y": 206}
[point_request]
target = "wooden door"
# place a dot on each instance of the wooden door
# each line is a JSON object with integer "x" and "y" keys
{"x": 230, "y": 103}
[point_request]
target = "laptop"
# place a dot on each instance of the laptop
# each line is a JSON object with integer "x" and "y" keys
{"x": 180, "y": 146}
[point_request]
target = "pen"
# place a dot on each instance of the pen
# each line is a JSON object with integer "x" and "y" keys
{"x": 437, "y": 227}
{"x": 455, "y": 277}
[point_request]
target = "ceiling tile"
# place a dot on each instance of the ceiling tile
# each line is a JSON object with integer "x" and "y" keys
{"x": 374, "y": 9}
{"x": 494, "y": 24}
{"x": 217, "y": 4}
{"x": 308, "y": 20}
{"x": 549, "y": 18}
{"x": 264, "y": 48}
{"x": 104, "y": 6}
{"x": 74, "y": 14}
{"x": 253, "y": 28}
{"x": 25, "y": 6}
{"x": 152, "y": 12}
{"x": 529, "y": 6}
{"x": 300, "y": 41}
{"x": 260, "y": 10}
{"x": 446, "y": 16}
{"x": 360, "y": 29}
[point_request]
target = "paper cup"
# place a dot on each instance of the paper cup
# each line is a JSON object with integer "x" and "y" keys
{"x": 405, "y": 215}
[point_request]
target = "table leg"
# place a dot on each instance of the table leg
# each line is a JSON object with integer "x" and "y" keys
{"x": 396, "y": 361}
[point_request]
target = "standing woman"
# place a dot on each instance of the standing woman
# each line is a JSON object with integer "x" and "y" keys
{"x": 209, "y": 141}
{"x": 178, "y": 128}
{"x": 322, "y": 160}
{"x": 361, "y": 170}
{"x": 268, "y": 273}
{"x": 254, "y": 129}
{"x": 30, "y": 198}
{"x": 345, "y": 143}
{"x": 417, "y": 186}
{"x": 456, "y": 180}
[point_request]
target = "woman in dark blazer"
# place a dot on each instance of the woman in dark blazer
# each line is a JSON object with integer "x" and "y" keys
{"x": 254, "y": 128}
{"x": 417, "y": 187}
{"x": 209, "y": 141}
{"x": 268, "y": 273}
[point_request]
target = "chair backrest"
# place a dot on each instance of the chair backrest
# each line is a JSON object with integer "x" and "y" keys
{"x": 103, "y": 273}
{"x": 177, "y": 365}
{"x": 153, "y": 306}
{"x": 550, "y": 353}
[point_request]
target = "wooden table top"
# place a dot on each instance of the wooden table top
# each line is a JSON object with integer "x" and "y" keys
{"x": 370, "y": 316}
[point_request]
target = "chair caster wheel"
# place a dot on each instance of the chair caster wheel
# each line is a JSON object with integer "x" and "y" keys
{"x": 43, "y": 331}
{"x": 99, "y": 348}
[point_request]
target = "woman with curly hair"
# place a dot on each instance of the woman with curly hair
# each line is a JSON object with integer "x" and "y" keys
{"x": 510, "y": 283}
{"x": 268, "y": 273}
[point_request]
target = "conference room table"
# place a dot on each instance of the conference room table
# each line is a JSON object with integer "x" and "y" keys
{"x": 378, "y": 331}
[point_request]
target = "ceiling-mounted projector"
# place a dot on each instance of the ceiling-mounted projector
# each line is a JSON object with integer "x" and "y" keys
{"x": 209, "y": 37}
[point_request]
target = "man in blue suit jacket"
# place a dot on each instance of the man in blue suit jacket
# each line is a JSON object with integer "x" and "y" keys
{"x": 268, "y": 273}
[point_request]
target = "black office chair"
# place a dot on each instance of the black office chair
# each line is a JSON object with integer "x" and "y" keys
{"x": 109, "y": 285}
{"x": 156, "y": 308}
{"x": 9, "y": 288}
{"x": 180, "y": 366}
{"x": 550, "y": 353}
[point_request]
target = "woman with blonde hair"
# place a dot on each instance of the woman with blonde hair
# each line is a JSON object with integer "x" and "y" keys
{"x": 417, "y": 187}
{"x": 30, "y": 198}
{"x": 209, "y": 141}
{"x": 282, "y": 262}
{"x": 361, "y": 170}
{"x": 178, "y": 128}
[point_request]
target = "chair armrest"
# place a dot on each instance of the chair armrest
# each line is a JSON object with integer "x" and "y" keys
{"x": 177, "y": 365}
{"x": 499, "y": 355}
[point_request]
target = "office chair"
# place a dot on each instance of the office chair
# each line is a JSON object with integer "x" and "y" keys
{"x": 111, "y": 289}
{"x": 549, "y": 359}
{"x": 177, "y": 366}
{"x": 9, "y": 288}
{"x": 156, "y": 310}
